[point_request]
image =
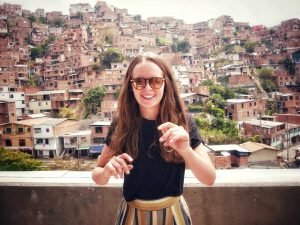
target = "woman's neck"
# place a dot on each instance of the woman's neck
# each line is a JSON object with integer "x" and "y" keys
{"x": 149, "y": 114}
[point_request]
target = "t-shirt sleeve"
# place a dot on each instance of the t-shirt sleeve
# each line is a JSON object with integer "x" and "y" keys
{"x": 195, "y": 138}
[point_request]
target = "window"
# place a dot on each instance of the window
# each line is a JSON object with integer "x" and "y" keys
{"x": 39, "y": 141}
{"x": 73, "y": 140}
{"x": 47, "y": 141}
{"x": 8, "y": 130}
{"x": 47, "y": 130}
{"x": 22, "y": 142}
{"x": 37, "y": 130}
{"x": 98, "y": 129}
{"x": 20, "y": 130}
{"x": 83, "y": 139}
{"x": 98, "y": 140}
{"x": 8, "y": 142}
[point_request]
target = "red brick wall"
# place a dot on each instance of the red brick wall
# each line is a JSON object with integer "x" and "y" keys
{"x": 222, "y": 162}
{"x": 239, "y": 161}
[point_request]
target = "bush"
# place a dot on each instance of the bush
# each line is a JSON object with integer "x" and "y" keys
{"x": 195, "y": 108}
{"x": 11, "y": 160}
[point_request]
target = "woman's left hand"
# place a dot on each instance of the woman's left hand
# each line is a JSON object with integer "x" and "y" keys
{"x": 175, "y": 137}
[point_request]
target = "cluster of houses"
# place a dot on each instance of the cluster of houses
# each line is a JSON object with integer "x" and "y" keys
{"x": 70, "y": 66}
{"x": 47, "y": 137}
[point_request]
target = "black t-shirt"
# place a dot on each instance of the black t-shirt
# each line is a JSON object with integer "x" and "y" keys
{"x": 152, "y": 177}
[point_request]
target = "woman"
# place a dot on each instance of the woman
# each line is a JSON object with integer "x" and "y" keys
{"x": 149, "y": 144}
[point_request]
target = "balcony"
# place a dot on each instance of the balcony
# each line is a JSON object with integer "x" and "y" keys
{"x": 239, "y": 197}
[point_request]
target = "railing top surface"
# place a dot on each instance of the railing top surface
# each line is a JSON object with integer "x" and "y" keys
{"x": 225, "y": 178}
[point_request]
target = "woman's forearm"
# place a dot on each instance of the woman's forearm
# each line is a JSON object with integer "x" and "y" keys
{"x": 200, "y": 164}
{"x": 100, "y": 176}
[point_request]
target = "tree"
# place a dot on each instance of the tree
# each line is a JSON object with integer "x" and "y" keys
{"x": 268, "y": 86}
{"x": 28, "y": 40}
{"x": 218, "y": 101}
{"x": 271, "y": 107}
{"x": 256, "y": 138}
{"x": 183, "y": 46}
{"x": 250, "y": 46}
{"x": 217, "y": 123}
{"x": 32, "y": 18}
{"x": 160, "y": 41}
{"x": 11, "y": 160}
{"x": 137, "y": 18}
{"x": 43, "y": 20}
{"x": 110, "y": 56}
{"x": 265, "y": 73}
{"x": 108, "y": 39}
{"x": 66, "y": 112}
{"x": 216, "y": 89}
{"x": 217, "y": 112}
{"x": 93, "y": 99}
{"x": 174, "y": 47}
{"x": 288, "y": 65}
{"x": 58, "y": 22}
{"x": 207, "y": 82}
{"x": 33, "y": 80}
{"x": 229, "y": 48}
{"x": 37, "y": 52}
{"x": 230, "y": 128}
{"x": 202, "y": 123}
{"x": 240, "y": 90}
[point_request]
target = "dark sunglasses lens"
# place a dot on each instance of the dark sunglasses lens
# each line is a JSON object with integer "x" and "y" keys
{"x": 140, "y": 83}
{"x": 156, "y": 82}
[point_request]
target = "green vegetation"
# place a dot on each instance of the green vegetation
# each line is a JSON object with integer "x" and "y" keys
{"x": 229, "y": 48}
{"x": 161, "y": 41}
{"x": 181, "y": 46}
{"x": 195, "y": 108}
{"x": 37, "y": 52}
{"x": 66, "y": 112}
{"x": 207, "y": 83}
{"x": 222, "y": 62}
{"x": 137, "y": 18}
{"x": 250, "y": 46}
{"x": 240, "y": 90}
{"x": 12, "y": 160}
{"x": 266, "y": 80}
{"x": 93, "y": 99}
{"x": 41, "y": 50}
{"x": 218, "y": 130}
{"x": 271, "y": 107}
{"x": 225, "y": 93}
{"x": 288, "y": 65}
{"x": 33, "y": 80}
{"x": 112, "y": 55}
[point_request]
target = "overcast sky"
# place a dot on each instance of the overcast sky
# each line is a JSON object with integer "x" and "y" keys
{"x": 266, "y": 12}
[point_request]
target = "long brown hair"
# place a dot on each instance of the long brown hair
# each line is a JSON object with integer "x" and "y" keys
{"x": 126, "y": 133}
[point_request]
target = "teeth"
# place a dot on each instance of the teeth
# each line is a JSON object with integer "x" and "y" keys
{"x": 148, "y": 96}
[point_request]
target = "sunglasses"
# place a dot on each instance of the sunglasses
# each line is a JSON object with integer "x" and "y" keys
{"x": 154, "y": 82}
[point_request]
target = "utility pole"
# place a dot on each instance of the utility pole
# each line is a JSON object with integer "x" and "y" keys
{"x": 288, "y": 139}
{"x": 260, "y": 127}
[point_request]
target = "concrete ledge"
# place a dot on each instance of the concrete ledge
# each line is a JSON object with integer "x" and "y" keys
{"x": 240, "y": 196}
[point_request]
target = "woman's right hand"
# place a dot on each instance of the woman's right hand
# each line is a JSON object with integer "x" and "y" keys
{"x": 118, "y": 165}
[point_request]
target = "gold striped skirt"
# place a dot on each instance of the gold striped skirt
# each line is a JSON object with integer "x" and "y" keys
{"x": 165, "y": 211}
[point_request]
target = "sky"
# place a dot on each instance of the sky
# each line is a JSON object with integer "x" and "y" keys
{"x": 255, "y": 12}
